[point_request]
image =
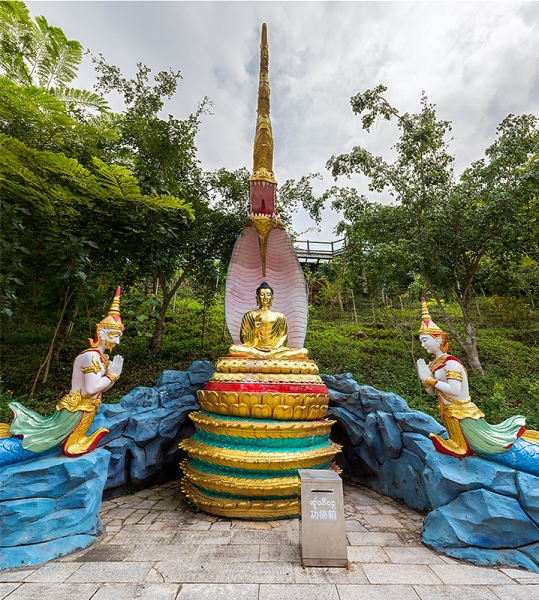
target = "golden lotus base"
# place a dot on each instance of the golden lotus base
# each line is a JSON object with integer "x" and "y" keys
{"x": 242, "y": 486}
{"x": 264, "y": 405}
{"x": 240, "y": 508}
{"x": 259, "y": 461}
{"x": 262, "y": 419}
{"x": 285, "y": 366}
{"x": 249, "y": 429}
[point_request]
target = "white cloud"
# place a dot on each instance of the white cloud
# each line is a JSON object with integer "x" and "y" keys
{"x": 478, "y": 61}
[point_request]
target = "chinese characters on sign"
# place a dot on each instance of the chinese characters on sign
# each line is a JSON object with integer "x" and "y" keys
{"x": 323, "y": 509}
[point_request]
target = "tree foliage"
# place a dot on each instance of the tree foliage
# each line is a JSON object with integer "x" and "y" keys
{"x": 441, "y": 226}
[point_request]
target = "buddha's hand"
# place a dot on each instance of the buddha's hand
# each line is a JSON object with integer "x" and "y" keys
{"x": 116, "y": 366}
{"x": 423, "y": 370}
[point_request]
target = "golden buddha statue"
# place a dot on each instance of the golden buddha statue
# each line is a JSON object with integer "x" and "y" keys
{"x": 264, "y": 332}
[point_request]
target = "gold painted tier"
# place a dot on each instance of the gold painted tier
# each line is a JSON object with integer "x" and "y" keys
{"x": 265, "y": 405}
{"x": 266, "y": 378}
{"x": 242, "y": 486}
{"x": 260, "y": 430}
{"x": 266, "y": 365}
{"x": 241, "y": 508}
{"x": 259, "y": 461}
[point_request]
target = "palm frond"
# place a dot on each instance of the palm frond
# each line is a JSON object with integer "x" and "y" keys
{"x": 81, "y": 98}
{"x": 117, "y": 180}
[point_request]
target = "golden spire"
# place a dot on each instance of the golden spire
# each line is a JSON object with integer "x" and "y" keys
{"x": 263, "y": 146}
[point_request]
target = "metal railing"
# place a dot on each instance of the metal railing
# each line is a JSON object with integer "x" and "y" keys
{"x": 312, "y": 249}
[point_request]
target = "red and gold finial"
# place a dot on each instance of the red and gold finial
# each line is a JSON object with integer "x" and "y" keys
{"x": 263, "y": 145}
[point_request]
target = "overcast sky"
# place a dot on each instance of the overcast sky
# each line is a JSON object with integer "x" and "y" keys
{"x": 477, "y": 61}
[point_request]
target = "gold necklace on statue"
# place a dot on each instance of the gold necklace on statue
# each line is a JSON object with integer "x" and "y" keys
{"x": 438, "y": 362}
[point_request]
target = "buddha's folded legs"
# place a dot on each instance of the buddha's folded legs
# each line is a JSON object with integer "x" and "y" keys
{"x": 239, "y": 350}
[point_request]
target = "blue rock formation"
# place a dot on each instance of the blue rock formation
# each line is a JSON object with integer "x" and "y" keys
{"x": 146, "y": 427}
{"x": 479, "y": 518}
{"x": 49, "y": 507}
{"x": 481, "y": 511}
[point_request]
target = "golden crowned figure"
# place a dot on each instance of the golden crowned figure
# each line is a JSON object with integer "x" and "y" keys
{"x": 445, "y": 377}
{"x": 30, "y": 435}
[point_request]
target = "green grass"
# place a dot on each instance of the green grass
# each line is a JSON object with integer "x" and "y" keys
{"x": 508, "y": 341}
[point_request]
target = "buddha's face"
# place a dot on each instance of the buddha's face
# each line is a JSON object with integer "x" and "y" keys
{"x": 429, "y": 343}
{"x": 264, "y": 298}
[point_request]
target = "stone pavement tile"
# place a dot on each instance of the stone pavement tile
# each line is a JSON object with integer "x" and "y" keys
{"x": 135, "y": 517}
{"x": 154, "y": 577}
{"x": 6, "y": 589}
{"x": 218, "y": 591}
{"x": 164, "y": 552}
{"x": 132, "y": 591}
{"x": 383, "y": 521}
{"x": 16, "y": 575}
{"x": 294, "y": 538}
{"x": 113, "y": 572}
{"x": 400, "y": 574}
{"x": 113, "y": 528}
{"x": 136, "y": 527}
{"x": 285, "y": 524}
{"x": 115, "y": 522}
{"x": 389, "y": 509}
{"x": 261, "y": 537}
{"x": 105, "y": 553}
{"x": 373, "y": 538}
{"x": 376, "y": 592}
{"x": 199, "y": 526}
{"x": 135, "y": 538}
{"x": 159, "y": 526}
{"x": 167, "y": 505}
{"x": 469, "y": 575}
{"x": 120, "y": 513}
{"x": 354, "y": 574}
{"x": 514, "y": 592}
{"x": 258, "y": 573}
{"x": 229, "y": 552}
{"x": 53, "y": 572}
{"x": 368, "y": 509}
{"x": 150, "y": 517}
{"x": 275, "y": 553}
{"x": 253, "y": 525}
{"x": 60, "y": 591}
{"x": 221, "y": 526}
{"x": 521, "y": 575}
{"x": 454, "y": 592}
{"x": 190, "y": 572}
{"x": 298, "y": 592}
{"x": 172, "y": 516}
{"x": 413, "y": 556}
{"x": 202, "y": 537}
{"x": 353, "y": 525}
{"x": 367, "y": 554}
{"x": 358, "y": 497}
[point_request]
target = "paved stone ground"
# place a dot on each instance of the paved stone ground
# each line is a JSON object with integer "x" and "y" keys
{"x": 157, "y": 548}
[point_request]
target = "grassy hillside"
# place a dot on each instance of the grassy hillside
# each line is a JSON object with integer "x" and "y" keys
{"x": 380, "y": 356}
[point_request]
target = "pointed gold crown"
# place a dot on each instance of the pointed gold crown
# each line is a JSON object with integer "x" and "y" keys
{"x": 263, "y": 145}
{"x": 112, "y": 321}
{"x": 428, "y": 326}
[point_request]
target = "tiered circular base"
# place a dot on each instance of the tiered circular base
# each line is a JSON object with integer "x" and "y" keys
{"x": 254, "y": 433}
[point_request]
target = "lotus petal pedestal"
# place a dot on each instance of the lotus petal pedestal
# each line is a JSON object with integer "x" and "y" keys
{"x": 262, "y": 420}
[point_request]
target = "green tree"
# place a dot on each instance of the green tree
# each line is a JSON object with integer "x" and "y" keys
{"x": 440, "y": 226}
